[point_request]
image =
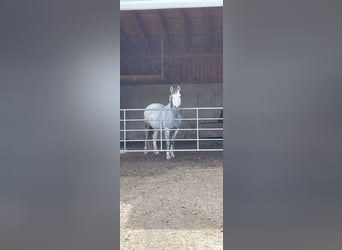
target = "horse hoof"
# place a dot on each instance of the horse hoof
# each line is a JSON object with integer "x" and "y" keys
{"x": 156, "y": 153}
{"x": 145, "y": 152}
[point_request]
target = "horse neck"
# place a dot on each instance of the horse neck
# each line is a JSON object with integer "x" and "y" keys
{"x": 173, "y": 110}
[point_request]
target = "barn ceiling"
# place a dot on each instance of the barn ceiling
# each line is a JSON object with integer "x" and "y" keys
{"x": 182, "y": 30}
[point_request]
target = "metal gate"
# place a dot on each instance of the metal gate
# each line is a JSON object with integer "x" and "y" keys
{"x": 201, "y": 130}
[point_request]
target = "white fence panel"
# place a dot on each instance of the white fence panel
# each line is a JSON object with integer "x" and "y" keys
{"x": 201, "y": 130}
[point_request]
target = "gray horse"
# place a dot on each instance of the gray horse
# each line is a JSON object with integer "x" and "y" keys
{"x": 157, "y": 116}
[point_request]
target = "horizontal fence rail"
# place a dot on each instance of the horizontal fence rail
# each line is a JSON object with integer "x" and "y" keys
{"x": 201, "y": 130}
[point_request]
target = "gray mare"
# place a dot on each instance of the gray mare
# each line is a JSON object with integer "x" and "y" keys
{"x": 157, "y": 116}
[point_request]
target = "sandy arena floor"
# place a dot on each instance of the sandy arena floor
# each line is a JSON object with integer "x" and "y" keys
{"x": 175, "y": 204}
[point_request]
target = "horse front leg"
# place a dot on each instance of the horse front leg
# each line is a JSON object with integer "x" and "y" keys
{"x": 167, "y": 139}
{"x": 173, "y": 142}
{"x": 155, "y": 137}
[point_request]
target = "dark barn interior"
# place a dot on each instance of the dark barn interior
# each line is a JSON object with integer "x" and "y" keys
{"x": 164, "y": 47}
{"x": 171, "y": 45}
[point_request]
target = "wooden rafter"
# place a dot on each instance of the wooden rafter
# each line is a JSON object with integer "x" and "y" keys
{"x": 142, "y": 30}
{"x": 187, "y": 29}
{"x": 209, "y": 29}
{"x": 163, "y": 29}
{"x": 126, "y": 42}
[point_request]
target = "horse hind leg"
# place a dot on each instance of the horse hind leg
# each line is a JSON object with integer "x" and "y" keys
{"x": 147, "y": 136}
{"x": 155, "y": 137}
{"x": 150, "y": 135}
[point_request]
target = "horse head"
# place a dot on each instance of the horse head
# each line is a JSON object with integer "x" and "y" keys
{"x": 175, "y": 97}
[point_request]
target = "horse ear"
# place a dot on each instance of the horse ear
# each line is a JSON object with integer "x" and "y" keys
{"x": 178, "y": 88}
{"x": 171, "y": 89}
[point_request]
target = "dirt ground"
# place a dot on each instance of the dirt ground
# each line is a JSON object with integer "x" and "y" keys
{"x": 176, "y": 204}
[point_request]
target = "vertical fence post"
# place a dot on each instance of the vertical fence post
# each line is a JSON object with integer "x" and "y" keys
{"x": 124, "y": 117}
{"x": 197, "y": 129}
{"x": 161, "y": 134}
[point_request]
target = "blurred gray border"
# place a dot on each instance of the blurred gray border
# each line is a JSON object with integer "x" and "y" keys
{"x": 283, "y": 125}
{"x": 59, "y": 125}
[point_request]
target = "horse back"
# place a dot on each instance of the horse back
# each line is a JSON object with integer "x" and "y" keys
{"x": 154, "y": 107}
{"x": 152, "y": 114}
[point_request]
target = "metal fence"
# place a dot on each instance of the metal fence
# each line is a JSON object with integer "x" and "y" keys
{"x": 201, "y": 130}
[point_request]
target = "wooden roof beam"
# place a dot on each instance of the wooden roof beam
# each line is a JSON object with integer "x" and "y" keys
{"x": 127, "y": 44}
{"x": 187, "y": 29}
{"x": 163, "y": 29}
{"x": 143, "y": 31}
{"x": 209, "y": 33}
